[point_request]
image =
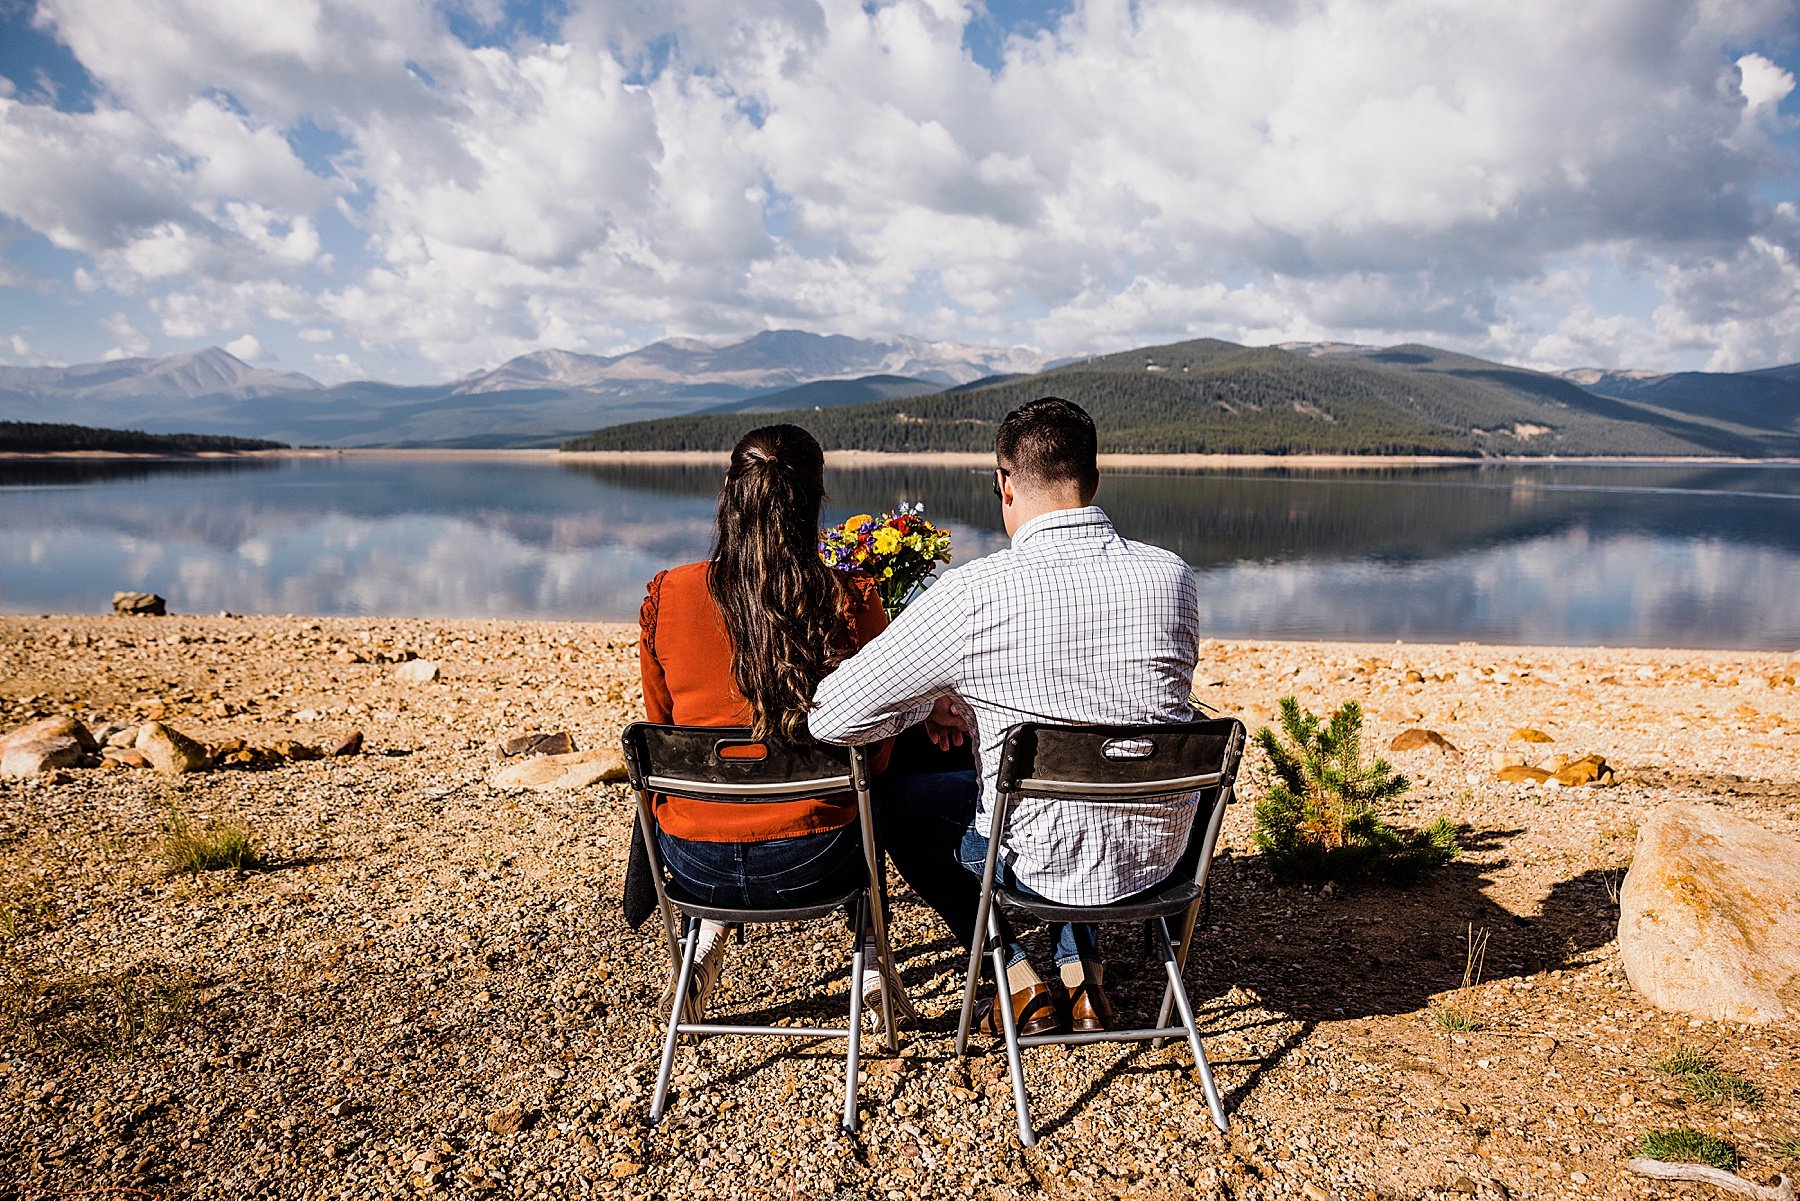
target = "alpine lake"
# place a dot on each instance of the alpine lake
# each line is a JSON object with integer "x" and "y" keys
{"x": 1565, "y": 553}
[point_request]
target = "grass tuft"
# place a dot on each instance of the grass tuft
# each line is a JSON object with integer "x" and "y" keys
{"x": 1687, "y": 1145}
{"x": 189, "y": 849}
{"x": 1704, "y": 1080}
{"x": 1788, "y": 1148}
{"x": 1458, "y": 1014}
{"x": 108, "y": 1015}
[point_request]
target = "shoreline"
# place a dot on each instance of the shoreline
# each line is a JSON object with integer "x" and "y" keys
{"x": 848, "y": 459}
{"x": 1233, "y": 642}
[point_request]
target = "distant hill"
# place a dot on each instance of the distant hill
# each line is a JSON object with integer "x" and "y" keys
{"x": 25, "y": 437}
{"x": 1766, "y": 400}
{"x": 1213, "y": 396}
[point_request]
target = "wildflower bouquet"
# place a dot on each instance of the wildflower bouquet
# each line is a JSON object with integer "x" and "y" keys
{"x": 900, "y": 549}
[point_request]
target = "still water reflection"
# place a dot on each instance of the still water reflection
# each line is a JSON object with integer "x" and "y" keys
{"x": 1613, "y": 554}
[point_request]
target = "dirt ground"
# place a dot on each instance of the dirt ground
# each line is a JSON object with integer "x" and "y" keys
{"x": 430, "y": 991}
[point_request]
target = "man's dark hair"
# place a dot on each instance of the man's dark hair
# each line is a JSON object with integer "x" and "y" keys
{"x": 1049, "y": 442}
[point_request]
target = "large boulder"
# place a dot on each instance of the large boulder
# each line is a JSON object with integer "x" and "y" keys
{"x": 1709, "y": 917}
{"x": 544, "y": 773}
{"x": 45, "y": 745}
{"x": 51, "y": 727}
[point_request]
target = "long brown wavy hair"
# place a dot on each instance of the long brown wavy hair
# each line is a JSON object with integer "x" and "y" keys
{"x": 784, "y": 609}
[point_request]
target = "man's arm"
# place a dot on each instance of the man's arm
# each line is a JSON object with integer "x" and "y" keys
{"x": 891, "y": 683}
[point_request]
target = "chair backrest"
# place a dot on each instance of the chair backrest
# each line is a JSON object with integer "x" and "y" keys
{"x": 1103, "y": 764}
{"x": 729, "y": 764}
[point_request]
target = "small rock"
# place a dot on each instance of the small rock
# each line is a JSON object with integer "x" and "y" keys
{"x": 124, "y": 738}
{"x": 1527, "y": 734}
{"x": 558, "y": 743}
{"x": 170, "y": 751}
{"x": 1502, "y": 759}
{"x": 1462, "y": 1184}
{"x": 544, "y": 773}
{"x": 510, "y": 1120}
{"x": 351, "y": 745}
{"x": 125, "y": 757}
{"x": 416, "y": 671}
{"x": 296, "y": 751}
{"x": 1520, "y": 773}
{"x": 1582, "y": 771}
{"x": 1416, "y": 739}
{"x": 140, "y": 604}
{"x": 1709, "y": 917}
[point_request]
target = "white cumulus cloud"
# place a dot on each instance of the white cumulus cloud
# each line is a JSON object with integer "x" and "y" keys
{"x": 247, "y": 348}
{"x": 1137, "y": 170}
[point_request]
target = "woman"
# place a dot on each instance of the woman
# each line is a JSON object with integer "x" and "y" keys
{"x": 742, "y": 640}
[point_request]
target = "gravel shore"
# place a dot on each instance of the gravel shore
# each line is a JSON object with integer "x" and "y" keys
{"x": 430, "y": 992}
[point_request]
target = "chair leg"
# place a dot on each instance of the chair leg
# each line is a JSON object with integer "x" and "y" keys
{"x": 1201, "y": 1066}
{"x": 853, "y": 1058}
{"x": 1014, "y": 1063}
{"x": 682, "y": 976}
{"x": 1182, "y": 949}
{"x": 884, "y": 960}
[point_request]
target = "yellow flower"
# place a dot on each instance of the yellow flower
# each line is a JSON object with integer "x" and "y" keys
{"x": 887, "y": 540}
{"x": 855, "y": 523}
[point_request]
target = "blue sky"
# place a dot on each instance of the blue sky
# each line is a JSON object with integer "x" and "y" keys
{"x": 412, "y": 191}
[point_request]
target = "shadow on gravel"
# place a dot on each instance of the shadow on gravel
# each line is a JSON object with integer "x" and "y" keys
{"x": 266, "y": 866}
{"x": 1311, "y": 957}
{"x": 1372, "y": 950}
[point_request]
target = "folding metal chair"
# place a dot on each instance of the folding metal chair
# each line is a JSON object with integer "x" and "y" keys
{"x": 728, "y": 765}
{"x": 1110, "y": 765}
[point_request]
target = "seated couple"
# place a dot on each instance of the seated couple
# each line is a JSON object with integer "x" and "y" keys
{"x": 1072, "y": 624}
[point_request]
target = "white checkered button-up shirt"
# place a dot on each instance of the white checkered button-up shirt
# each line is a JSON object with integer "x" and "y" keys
{"x": 1071, "y": 624}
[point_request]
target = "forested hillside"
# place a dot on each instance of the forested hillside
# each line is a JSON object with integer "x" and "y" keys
{"x": 30, "y": 437}
{"x": 1208, "y": 396}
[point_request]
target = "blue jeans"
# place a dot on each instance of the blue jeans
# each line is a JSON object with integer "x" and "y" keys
{"x": 775, "y": 874}
{"x": 927, "y": 824}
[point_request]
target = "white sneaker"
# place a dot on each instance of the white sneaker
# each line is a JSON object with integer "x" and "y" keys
{"x": 704, "y": 979}
{"x": 874, "y": 983}
{"x": 707, "y": 962}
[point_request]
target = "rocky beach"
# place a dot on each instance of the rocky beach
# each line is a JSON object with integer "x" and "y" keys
{"x": 419, "y": 984}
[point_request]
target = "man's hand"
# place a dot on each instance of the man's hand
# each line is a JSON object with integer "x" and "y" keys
{"x": 945, "y": 726}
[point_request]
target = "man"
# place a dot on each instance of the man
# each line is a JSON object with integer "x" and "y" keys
{"x": 1072, "y": 624}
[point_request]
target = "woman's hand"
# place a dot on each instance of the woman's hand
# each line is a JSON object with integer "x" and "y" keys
{"x": 945, "y": 726}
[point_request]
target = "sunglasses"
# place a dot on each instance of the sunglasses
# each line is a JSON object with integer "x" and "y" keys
{"x": 998, "y": 472}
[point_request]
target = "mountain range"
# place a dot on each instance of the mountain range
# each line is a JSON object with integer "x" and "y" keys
{"x": 535, "y": 399}
{"x": 905, "y": 393}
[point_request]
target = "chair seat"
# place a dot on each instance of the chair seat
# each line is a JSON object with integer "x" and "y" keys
{"x": 1164, "y": 900}
{"x": 690, "y": 904}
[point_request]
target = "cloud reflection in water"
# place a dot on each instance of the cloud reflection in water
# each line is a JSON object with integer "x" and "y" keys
{"x": 1691, "y": 556}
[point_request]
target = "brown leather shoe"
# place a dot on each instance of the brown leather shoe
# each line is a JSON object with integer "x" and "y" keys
{"x": 1089, "y": 1010}
{"x": 1034, "y": 1012}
